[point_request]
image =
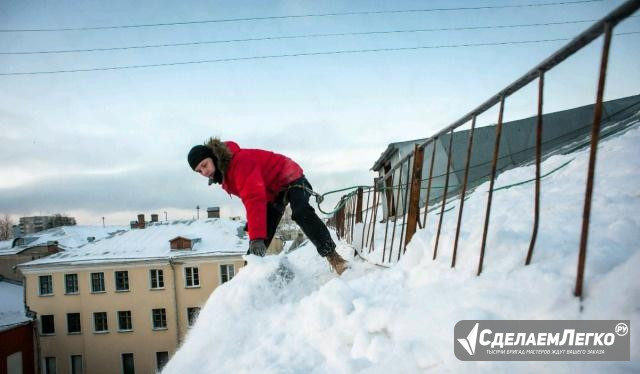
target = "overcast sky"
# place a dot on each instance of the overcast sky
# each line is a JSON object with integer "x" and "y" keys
{"x": 113, "y": 143}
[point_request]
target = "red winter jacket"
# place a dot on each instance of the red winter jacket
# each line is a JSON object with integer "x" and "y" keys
{"x": 257, "y": 176}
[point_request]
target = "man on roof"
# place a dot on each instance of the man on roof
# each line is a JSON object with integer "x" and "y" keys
{"x": 265, "y": 182}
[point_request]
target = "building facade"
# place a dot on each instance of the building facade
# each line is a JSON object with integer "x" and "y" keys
{"x": 114, "y": 313}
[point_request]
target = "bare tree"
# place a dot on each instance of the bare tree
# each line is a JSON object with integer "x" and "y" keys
{"x": 6, "y": 227}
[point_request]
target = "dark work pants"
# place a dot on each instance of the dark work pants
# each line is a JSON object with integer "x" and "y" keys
{"x": 302, "y": 213}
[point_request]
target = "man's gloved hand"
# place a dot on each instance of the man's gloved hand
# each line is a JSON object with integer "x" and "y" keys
{"x": 257, "y": 247}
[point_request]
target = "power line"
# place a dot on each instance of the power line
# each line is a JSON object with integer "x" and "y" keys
{"x": 265, "y": 57}
{"x": 311, "y": 15}
{"x": 303, "y": 36}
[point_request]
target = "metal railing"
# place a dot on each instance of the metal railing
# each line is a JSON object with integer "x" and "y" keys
{"x": 400, "y": 186}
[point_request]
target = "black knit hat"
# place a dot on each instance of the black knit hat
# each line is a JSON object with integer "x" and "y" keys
{"x": 199, "y": 153}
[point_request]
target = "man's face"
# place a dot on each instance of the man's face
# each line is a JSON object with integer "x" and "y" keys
{"x": 206, "y": 167}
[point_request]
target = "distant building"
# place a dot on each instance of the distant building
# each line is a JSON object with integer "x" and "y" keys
{"x": 30, "y": 225}
{"x": 27, "y": 248}
{"x": 125, "y": 302}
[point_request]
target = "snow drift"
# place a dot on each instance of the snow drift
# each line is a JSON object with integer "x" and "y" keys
{"x": 401, "y": 319}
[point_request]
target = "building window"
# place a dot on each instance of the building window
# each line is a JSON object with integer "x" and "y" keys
{"x": 47, "y": 326}
{"x": 192, "y": 315}
{"x": 100, "y": 322}
{"x": 161, "y": 359}
{"x": 227, "y": 272}
{"x": 122, "y": 281}
{"x": 97, "y": 282}
{"x": 124, "y": 320}
{"x": 192, "y": 279}
{"x": 76, "y": 364}
{"x": 71, "y": 283}
{"x": 157, "y": 278}
{"x": 73, "y": 323}
{"x": 159, "y": 319}
{"x": 50, "y": 365}
{"x": 127, "y": 363}
{"x": 46, "y": 285}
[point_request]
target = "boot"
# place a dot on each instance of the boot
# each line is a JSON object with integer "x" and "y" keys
{"x": 337, "y": 263}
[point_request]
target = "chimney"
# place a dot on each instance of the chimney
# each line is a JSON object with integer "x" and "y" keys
{"x": 213, "y": 212}
{"x": 141, "y": 221}
{"x": 154, "y": 218}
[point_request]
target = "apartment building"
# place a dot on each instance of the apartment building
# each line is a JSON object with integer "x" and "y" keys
{"x": 30, "y": 225}
{"x": 124, "y": 303}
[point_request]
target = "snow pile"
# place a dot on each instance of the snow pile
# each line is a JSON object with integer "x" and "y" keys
{"x": 401, "y": 319}
{"x": 12, "y": 306}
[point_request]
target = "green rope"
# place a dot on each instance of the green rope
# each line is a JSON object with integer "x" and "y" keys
{"x": 533, "y": 179}
{"x": 320, "y": 197}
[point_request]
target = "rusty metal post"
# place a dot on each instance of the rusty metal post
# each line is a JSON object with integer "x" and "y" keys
{"x": 366, "y": 216}
{"x": 347, "y": 223}
{"x": 444, "y": 196}
{"x": 405, "y": 204}
{"x": 376, "y": 202}
{"x": 496, "y": 150}
{"x": 359, "y": 206}
{"x": 464, "y": 191}
{"x": 340, "y": 222}
{"x": 346, "y": 219}
{"x": 353, "y": 221}
{"x": 386, "y": 225}
{"x": 414, "y": 199}
{"x": 595, "y": 137}
{"x": 426, "y": 202}
{"x": 395, "y": 219}
{"x": 372, "y": 223}
{"x": 536, "y": 200}
{"x": 354, "y": 214}
{"x": 391, "y": 205}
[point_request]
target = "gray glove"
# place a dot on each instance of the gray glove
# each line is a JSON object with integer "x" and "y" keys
{"x": 257, "y": 247}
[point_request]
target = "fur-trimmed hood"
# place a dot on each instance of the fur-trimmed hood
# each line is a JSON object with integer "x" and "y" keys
{"x": 222, "y": 152}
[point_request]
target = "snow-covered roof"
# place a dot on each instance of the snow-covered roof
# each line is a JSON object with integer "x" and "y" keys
{"x": 402, "y": 319}
{"x": 67, "y": 237}
{"x": 12, "y": 306}
{"x": 5, "y": 244}
{"x": 218, "y": 236}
